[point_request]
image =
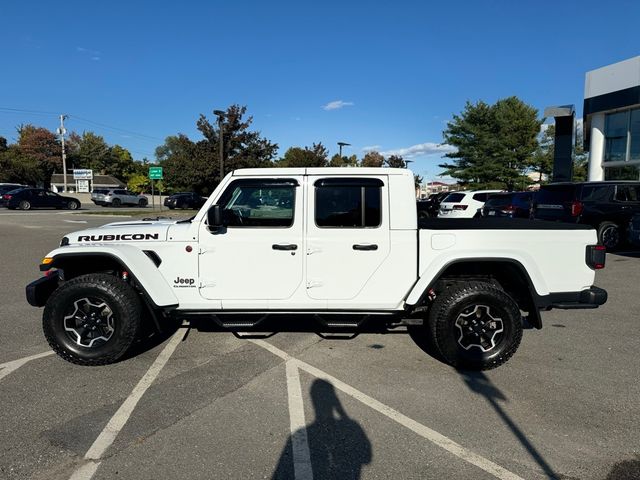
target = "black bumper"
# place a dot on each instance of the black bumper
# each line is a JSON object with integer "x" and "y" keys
{"x": 39, "y": 291}
{"x": 592, "y": 297}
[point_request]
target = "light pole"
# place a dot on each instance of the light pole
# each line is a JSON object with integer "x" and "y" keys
{"x": 343, "y": 144}
{"x": 406, "y": 163}
{"x": 220, "y": 114}
{"x": 62, "y": 132}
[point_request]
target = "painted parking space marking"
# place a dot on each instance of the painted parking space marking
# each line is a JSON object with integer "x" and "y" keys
{"x": 120, "y": 418}
{"x": 422, "y": 430}
{"x": 13, "y": 365}
{"x": 299, "y": 440}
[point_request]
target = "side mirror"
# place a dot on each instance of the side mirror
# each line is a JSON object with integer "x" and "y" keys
{"x": 214, "y": 217}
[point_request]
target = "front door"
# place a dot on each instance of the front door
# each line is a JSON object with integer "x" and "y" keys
{"x": 348, "y": 236}
{"x": 258, "y": 255}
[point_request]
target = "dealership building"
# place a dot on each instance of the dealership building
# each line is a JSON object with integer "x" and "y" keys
{"x": 611, "y": 119}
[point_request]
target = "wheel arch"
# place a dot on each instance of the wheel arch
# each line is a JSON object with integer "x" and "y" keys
{"x": 141, "y": 269}
{"x": 509, "y": 273}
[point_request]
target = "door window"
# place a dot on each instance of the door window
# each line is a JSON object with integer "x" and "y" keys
{"x": 628, "y": 193}
{"x": 348, "y": 203}
{"x": 258, "y": 203}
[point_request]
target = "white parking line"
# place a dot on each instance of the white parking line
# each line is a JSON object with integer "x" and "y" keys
{"x": 8, "y": 367}
{"x": 120, "y": 418}
{"x": 418, "y": 428}
{"x": 299, "y": 441}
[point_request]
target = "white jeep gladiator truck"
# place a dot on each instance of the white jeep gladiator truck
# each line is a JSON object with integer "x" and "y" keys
{"x": 324, "y": 250}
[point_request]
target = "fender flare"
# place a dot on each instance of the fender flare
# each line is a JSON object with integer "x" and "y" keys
{"x": 140, "y": 267}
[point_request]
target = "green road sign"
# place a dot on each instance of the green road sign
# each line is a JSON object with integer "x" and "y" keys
{"x": 155, "y": 173}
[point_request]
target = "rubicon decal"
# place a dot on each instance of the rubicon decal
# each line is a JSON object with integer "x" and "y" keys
{"x": 184, "y": 282}
{"x": 120, "y": 236}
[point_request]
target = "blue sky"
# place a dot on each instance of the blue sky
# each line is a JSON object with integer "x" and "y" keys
{"x": 395, "y": 71}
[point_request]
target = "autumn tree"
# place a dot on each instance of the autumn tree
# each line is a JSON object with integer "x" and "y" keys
{"x": 314, "y": 156}
{"x": 343, "y": 161}
{"x": 395, "y": 161}
{"x": 372, "y": 159}
{"x": 39, "y": 148}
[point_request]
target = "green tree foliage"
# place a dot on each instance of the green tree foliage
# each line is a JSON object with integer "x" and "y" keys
{"x": 372, "y": 159}
{"x": 316, "y": 156}
{"x": 139, "y": 183}
{"x": 195, "y": 165}
{"x": 395, "y": 161}
{"x": 417, "y": 180}
{"x": 38, "y": 154}
{"x": 542, "y": 160}
{"x": 494, "y": 143}
{"x": 344, "y": 161}
{"x": 92, "y": 151}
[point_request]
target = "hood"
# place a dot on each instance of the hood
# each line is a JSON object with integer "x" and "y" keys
{"x": 132, "y": 231}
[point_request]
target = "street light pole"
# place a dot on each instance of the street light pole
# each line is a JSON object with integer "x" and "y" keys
{"x": 220, "y": 115}
{"x": 342, "y": 144}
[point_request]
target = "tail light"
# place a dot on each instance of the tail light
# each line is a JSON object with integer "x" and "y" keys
{"x": 595, "y": 257}
{"x": 6, "y": 197}
{"x": 460, "y": 207}
{"x": 509, "y": 209}
{"x": 576, "y": 208}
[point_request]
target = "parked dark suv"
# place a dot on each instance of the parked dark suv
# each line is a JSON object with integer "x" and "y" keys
{"x": 607, "y": 206}
{"x": 184, "y": 200}
{"x": 511, "y": 205}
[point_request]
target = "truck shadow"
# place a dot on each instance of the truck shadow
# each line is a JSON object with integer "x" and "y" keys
{"x": 625, "y": 470}
{"x": 480, "y": 384}
{"x": 338, "y": 445}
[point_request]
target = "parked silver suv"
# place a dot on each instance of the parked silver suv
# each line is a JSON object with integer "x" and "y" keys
{"x": 118, "y": 197}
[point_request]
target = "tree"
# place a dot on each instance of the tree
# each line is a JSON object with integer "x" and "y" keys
{"x": 395, "y": 161}
{"x": 39, "y": 149}
{"x": 3, "y": 144}
{"x": 417, "y": 180}
{"x": 372, "y": 159}
{"x": 187, "y": 166}
{"x": 316, "y": 156}
{"x": 121, "y": 163}
{"x": 494, "y": 143}
{"x": 542, "y": 160}
{"x": 344, "y": 161}
{"x": 89, "y": 151}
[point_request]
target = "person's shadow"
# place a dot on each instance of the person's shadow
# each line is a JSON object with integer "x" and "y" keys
{"x": 338, "y": 445}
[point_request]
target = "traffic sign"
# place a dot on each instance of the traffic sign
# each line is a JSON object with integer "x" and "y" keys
{"x": 155, "y": 173}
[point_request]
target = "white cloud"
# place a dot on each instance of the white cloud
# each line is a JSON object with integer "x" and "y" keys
{"x": 337, "y": 104}
{"x": 371, "y": 148}
{"x": 94, "y": 55}
{"x": 421, "y": 149}
{"x": 95, "y": 59}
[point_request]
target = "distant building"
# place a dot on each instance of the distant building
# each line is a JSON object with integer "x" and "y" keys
{"x": 99, "y": 181}
{"x": 612, "y": 121}
{"x": 428, "y": 188}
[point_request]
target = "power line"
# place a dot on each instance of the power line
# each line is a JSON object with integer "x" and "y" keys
{"x": 81, "y": 120}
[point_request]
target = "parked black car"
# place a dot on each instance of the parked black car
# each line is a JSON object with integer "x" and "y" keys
{"x": 511, "y": 205}
{"x": 184, "y": 200}
{"x": 634, "y": 230}
{"x": 607, "y": 206}
{"x": 28, "y": 198}
{"x": 430, "y": 206}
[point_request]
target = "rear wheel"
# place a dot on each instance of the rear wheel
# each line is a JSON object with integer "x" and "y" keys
{"x": 475, "y": 325}
{"x": 92, "y": 319}
{"x": 73, "y": 205}
{"x": 24, "y": 205}
{"x": 142, "y": 202}
{"x": 609, "y": 235}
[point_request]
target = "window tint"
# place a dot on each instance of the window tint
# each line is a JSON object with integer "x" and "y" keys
{"x": 348, "y": 206}
{"x": 499, "y": 201}
{"x": 596, "y": 193}
{"x": 453, "y": 198}
{"x": 615, "y": 132}
{"x": 556, "y": 194}
{"x": 255, "y": 203}
{"x": 120, "y": 192}
{"x": 480, "y": 197}
{"x": 628, "y": 193}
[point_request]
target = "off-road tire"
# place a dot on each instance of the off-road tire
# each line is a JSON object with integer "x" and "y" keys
{"x": 123, "y": 301}
{"x": 607, "y": 233}
{"x": 24, "y": 205}
{"x": 449, "y": 306}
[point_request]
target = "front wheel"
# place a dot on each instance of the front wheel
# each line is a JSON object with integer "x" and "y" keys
{"x": 73, "y": 205}
{"x": 92, "y": 319}
{"x": 142, "y": 202}
{"x": 475, "y": 325}
{"x": 116, "y": 202}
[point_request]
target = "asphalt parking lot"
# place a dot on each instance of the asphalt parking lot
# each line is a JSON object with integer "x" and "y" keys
{"x": 209, "y": 405}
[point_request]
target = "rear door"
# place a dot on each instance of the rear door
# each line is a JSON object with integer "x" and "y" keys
{"x": 347, "y": 236}
{"x": 553, "y": 202}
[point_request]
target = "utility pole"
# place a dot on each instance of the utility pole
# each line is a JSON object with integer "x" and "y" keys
{"x": 220, "y": 115}
{"x": 62, "y": 132}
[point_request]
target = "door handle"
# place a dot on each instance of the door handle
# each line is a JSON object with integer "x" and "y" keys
{"x": 365, "y": 246}
{"x": 284, "y": 246}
